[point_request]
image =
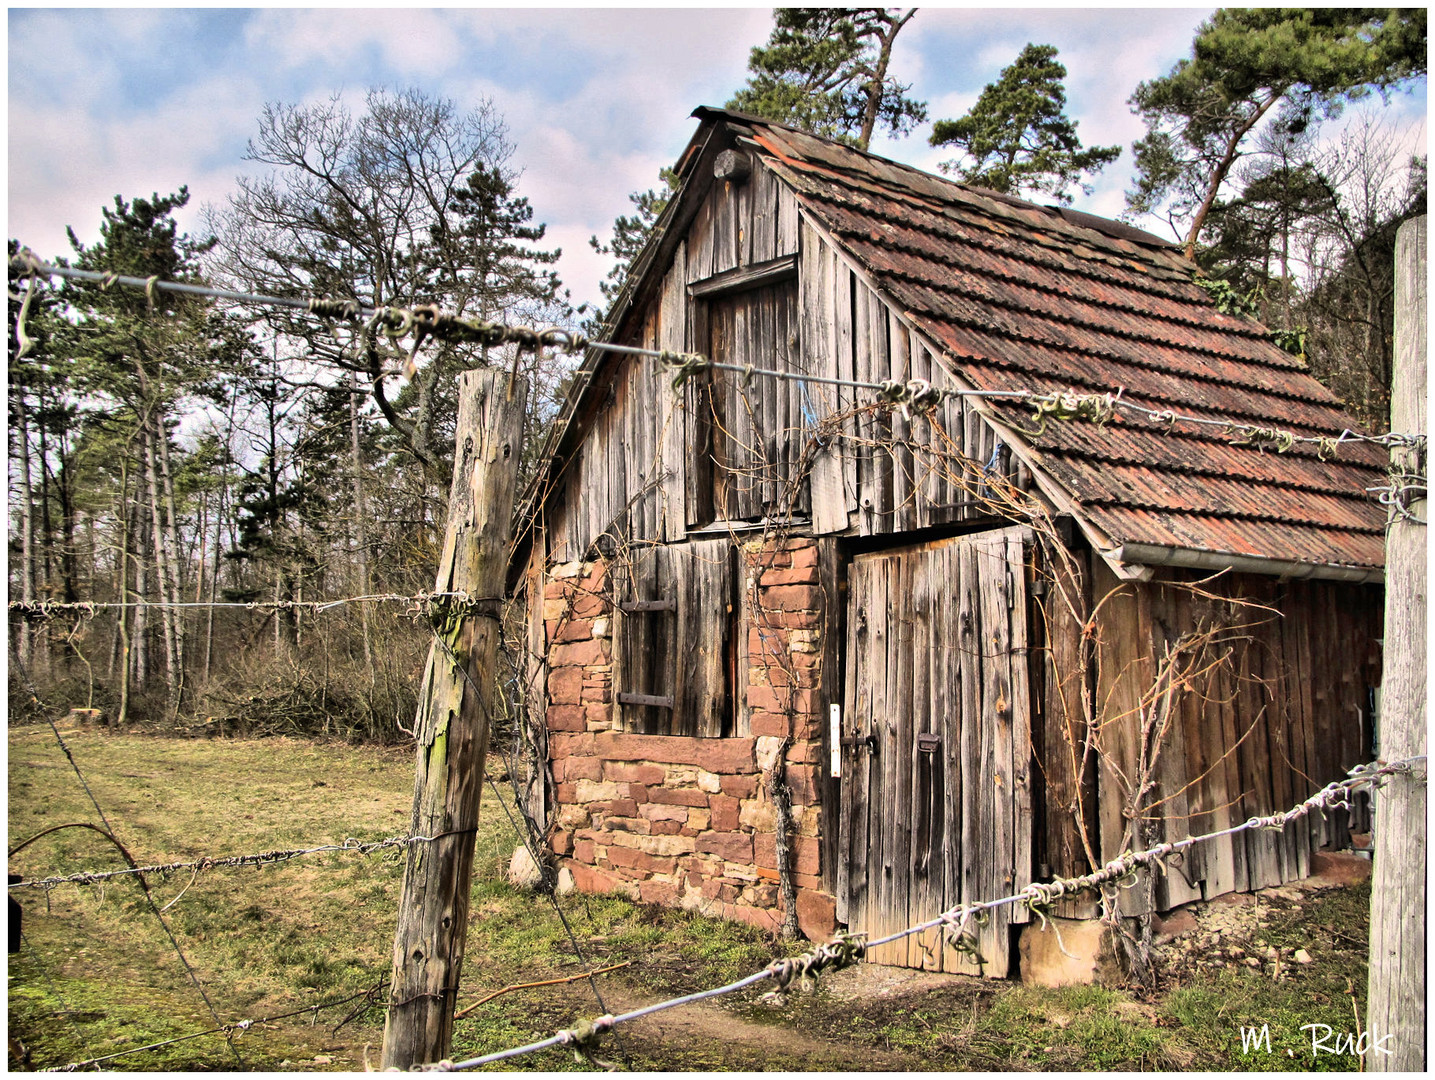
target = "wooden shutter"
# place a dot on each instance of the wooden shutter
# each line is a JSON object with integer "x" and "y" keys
{"x": 672, "y": 635}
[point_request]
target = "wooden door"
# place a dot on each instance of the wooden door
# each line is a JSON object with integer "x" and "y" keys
{"x": 936, "y": 757}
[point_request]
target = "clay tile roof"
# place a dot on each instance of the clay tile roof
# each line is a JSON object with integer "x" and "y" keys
{"x": 1024, "y": 296}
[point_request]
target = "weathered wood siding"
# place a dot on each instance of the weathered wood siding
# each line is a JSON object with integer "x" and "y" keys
{"x": 1287, "y": 714}
{"x": 646, "y": 470}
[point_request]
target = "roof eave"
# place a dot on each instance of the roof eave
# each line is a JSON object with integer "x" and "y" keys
{"x": 1161, "y": 555}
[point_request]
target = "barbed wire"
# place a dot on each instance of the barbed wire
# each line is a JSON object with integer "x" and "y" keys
{"x": 957, "y": 922}
{"x": 237, "y": 1027}
{"x": 425, "y": 321}
{"x": 350, "y": 845}
{"x": 419, "y": 603}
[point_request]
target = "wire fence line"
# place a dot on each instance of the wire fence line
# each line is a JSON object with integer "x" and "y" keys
{"x": 847, "y": 949}
{"x": 262, "y": 858}
{"x": 427, "y": 321}
{"x": 419, "y": 604}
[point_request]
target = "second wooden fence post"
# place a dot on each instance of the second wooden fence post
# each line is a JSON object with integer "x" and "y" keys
{"x": 455, "y": 707}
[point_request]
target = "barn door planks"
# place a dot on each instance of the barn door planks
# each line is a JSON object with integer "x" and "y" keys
{"x": 936, "y": 755}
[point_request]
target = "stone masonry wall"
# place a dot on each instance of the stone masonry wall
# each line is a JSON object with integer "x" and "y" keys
{"x": 689, "y": 821}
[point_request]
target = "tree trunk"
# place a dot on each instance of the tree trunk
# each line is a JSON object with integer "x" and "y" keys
{"x": 452, "y": 724}
{"x": 172, "y": 558}
{"x": 361, "y": 530}
{"x": 163, "y": 577}
{"x": 27, "y": 529}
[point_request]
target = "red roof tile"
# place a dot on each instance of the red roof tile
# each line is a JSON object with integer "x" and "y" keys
{"x": 1018, "y": 296}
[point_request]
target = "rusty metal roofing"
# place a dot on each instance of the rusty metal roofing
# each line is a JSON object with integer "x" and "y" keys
{"x": 1019, "y": 296}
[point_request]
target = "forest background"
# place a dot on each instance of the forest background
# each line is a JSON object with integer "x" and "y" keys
{"x": 167, "y": 454}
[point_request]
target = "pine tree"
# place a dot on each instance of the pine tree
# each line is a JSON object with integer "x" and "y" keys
{"x": 1301, "y": 65}
{"x": 1017, "y": 137}
{"x": 826, "y": 70}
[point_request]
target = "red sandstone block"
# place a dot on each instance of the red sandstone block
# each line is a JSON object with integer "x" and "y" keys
{"x": 805, "y": 753}
{"x": 566, "y": 793}
{"x": 792, "y": 597}
{"x": 781, "y": 677}
{"x": 637, "y": 792}
{"x": 578, "y": 653}
{"x": 764, "y": 699}
{"x": 725, "y": 813}
{"x": 734, "y": 847}
{"x": 584, "y": 850}
{"x": 797, "y": 575}
{"x": 592, "y": 880}
{"x": 562, "y": 745}
{"x": 571, "y": 629}
{"x": 566, "y": 718}
{"x": 578, "y": 768}
{"x": 657, "y": 892}
{"x": 623, "y": 808}
{"x": 807, "y": 881}
{"x": 588, "y": 604}
{"x": 641, "y": 860}
{"x": 565, "y": 686}
{"x": 667, "y": 827}
{"x": 816, "y": 914}
{"x": 804, "y": 853}
{"x": 739, "y": 787}
{"x": 553, "y": 590}
{"x": 768, "y": 557}
{"x": 561, "y": 842}
{"x": 762, "y": 918}
{"x": 598, "y": 713}
{"x": 677, "y": 796}
{"x": 627, "y": 824}
{"x": 628, "y": 772}
{"x": 714, "y": 755}
{"x": 802, "y": 780}
{"x": 767, "y": 723}
{"x": 804, "y": 553}
{"x": 764, "y": 642}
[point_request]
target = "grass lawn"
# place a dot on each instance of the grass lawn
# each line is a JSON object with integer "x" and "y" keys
{"x": 97, "y": 974}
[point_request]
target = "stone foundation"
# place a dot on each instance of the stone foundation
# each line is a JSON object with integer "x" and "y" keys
{"x": 681, "y": 820}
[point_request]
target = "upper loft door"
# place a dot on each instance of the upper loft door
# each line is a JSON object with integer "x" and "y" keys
{"x": 936, "y": 760}
{"x": 747, "y": 430}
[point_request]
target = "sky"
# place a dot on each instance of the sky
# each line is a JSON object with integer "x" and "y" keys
{"x": 111, "y": 101}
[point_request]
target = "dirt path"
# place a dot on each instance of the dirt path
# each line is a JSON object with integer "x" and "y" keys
{"x": 713, "y": 1032}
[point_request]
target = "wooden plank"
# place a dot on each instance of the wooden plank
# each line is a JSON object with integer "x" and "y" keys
{"x": 1023, "y": 818}
{"x": 904, "y": 516}
{"x": 905, "y": 764}
{"x": 760, "y": 239}
{"x": 929, "y": 590}
{"x": 817, "y": 338}
{"x": 879, "y": 796}
{"x": 947, "y": 693}
{"x": 786, "y": 226}
{"x": 843, "y": 318}
{"x": 700, "y": 243}
{"x": 973, "y": 785}
{"x": 745, "y": 278}
{"x": 994, "y": 806}
{"x": 852, "y": 872}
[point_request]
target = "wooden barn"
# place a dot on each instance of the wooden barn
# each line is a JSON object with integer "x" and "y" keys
{"x": 812, "y": 650}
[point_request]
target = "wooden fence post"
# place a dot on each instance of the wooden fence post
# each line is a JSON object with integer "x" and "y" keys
{"x": 455, "y": 706}
{"x": 1395, "y": 1004}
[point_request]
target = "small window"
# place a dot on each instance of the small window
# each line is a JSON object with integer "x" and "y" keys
{"x": 672, "y": 637}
